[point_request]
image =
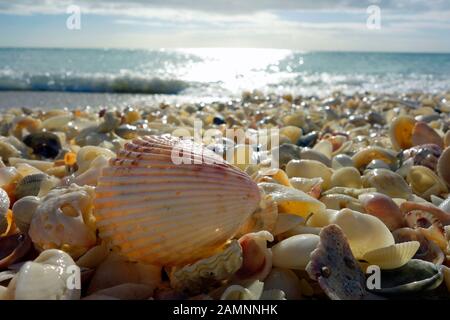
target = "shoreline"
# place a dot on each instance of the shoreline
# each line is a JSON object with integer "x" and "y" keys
{"x": 72, "y": 100}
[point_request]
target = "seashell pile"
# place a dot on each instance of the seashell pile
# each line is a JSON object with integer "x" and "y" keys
{"x": 308, "y": 199}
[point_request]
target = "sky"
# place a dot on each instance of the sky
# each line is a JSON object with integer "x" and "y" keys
{"x": 340, "y": 25}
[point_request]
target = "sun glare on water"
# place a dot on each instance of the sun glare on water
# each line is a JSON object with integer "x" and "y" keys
{"x": 235, "y": 68}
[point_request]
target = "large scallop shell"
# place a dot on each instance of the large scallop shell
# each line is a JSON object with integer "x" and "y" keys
{"x": 170, "y": 211}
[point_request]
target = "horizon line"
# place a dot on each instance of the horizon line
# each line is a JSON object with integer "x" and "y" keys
{"x": 214, "y": 47}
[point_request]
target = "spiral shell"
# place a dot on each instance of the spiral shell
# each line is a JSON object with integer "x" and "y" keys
{"x": 156, "y": 207}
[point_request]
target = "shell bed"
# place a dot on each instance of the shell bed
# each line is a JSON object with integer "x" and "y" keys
{"x": 360, "y": 190}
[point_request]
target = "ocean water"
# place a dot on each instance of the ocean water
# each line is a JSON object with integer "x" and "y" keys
{"x": 214, "y": 73}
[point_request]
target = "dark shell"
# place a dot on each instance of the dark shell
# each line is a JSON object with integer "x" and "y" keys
{"x": 44, "y": 144}
{"x": 424, "y": 155}
{"x": 12, "y": 248}
{"x": 286, "y": 152}
{"x": 308, "y": 140}
{"x": 29, "y": 185}
{"x": 415, "y": 276}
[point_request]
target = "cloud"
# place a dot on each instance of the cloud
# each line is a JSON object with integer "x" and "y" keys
{"x": 235, "y": 7}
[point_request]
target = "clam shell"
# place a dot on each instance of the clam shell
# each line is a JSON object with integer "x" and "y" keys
{"x": 365, "y": 156}
{"x": 292, "y": 132}
{"x": 199, "y": 276}
{"x": 443, "y": 166}
{"x": 23, "y": 211}
{"x": 400, "y": 132}
{"x": 325, "y": 147}
{"x": 415, "y": 276}
{"x": 424, "y": 134}
{"x": 286, "y": 222}
{"x": 294, "y": 252}
{"x": 424, "y": 182}
{"x": 384, "y": 208}
{"x": 387, "y": 182}
{"x": 285, "y": 280}
{"x": 309, "y": 169}
{"x": 46, "y": 278}
{"x": 346, "y": 177}
{"x": 156, "y": 207}
{"x": 364, "y": 232}
{"x": 291, "y": 200}
{"x": 394, "y": 256}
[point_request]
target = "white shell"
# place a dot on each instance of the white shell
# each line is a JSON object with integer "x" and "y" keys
{"x": 394, "y": 256}
{"x": 364, "y": 232}
{"x": 294, "y": 252}
{"x": 169, "y": 201}
{"x": 309, "y": 169}
{"x": 48, "y": 277}
{"x": 285, "y": 280}
{"x": 252, "y": 291}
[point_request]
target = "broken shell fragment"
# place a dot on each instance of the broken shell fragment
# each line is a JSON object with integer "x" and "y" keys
{"x": 335, "y": 268}
{"x": 64, "y": 220}
{"x": 257, "y": 258}
{"x": 204, "y": 273}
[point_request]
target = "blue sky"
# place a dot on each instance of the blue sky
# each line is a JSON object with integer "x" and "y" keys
{"x": 407, "y": 26}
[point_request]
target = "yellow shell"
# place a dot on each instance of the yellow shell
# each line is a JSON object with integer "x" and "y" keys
{"x": 401, "y": 131}
{"x": 363, "y": 157}
{"x": 291, "y": 200}
{"x": 393, "y": 256}
{"x": 169, "y": 201}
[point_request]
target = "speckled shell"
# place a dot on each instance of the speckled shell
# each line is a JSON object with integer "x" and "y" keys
{"x": 154, "y": 209}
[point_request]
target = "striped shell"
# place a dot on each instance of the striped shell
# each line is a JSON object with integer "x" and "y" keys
{"x": 157, "y": 209}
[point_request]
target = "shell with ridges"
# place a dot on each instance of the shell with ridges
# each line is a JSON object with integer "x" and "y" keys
{"x": 167, "y": 210}
{"x": 199, "y": 276}
{"x": 394, "y": 256}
